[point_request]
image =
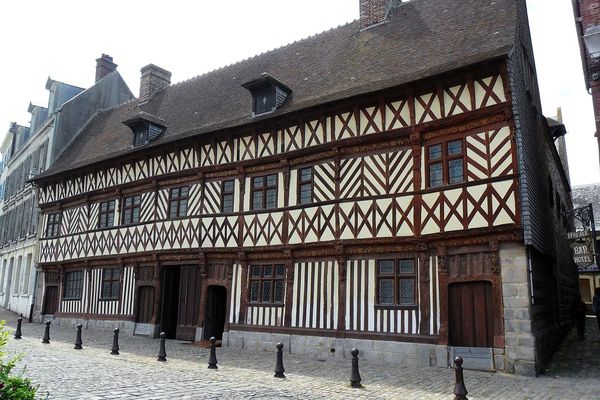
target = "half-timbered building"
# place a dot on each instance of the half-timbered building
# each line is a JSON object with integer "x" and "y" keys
{"x": 380, "y": 185}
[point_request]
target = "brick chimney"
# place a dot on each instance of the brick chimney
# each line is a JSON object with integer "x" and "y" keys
{"x": 375, "y": 12}
{"x": 104, "y": 66}
{"x": 153, "y": 80}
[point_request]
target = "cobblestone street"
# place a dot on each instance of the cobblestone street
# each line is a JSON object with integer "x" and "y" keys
{"x": 92, "y": 373}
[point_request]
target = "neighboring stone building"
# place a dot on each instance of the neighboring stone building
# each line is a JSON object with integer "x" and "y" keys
{"x": 389, "y": 184}
{"x": 589, "y": 278}
{"x": 587, "y": 20}
{"x": 28, "y": 151}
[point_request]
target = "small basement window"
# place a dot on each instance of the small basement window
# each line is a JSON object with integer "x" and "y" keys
{"x": 268, "y": 94}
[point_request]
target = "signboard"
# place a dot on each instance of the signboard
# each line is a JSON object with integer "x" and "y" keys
{"x": 583, "y": 241}
{"x": 582, "y": 253}
{"x": 579, "y": 234}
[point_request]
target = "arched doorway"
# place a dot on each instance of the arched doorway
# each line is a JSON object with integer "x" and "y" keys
{"x": 215, "y": 313}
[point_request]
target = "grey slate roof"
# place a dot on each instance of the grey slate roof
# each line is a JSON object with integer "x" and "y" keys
{"x": 423, "y": 38}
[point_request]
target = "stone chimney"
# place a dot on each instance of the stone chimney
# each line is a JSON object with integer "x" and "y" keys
{"x": 375, "y": 12}
{"x": 104, "y": 66}
{"x": 153, "y": 80}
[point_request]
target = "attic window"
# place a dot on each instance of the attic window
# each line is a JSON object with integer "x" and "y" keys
{"x": 268, "y": 94}
{"x": 145, "y": 128}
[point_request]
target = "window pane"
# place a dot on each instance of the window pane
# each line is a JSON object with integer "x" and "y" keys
{"x": 173, "y": 209}
{"x": 116, "y": 273}
{"x": 454, "y": 147}
{"x": 407, "y": 266}
{"x": 257, "y": 182}
{"x": 228, "y": 203}
{"x": 254, "y": 291}
{"x": 386, "y": 291}
{"x": 278, "y": 294}
{"x": 137, "y": 200}
{"x": 271, "y": 198}
{"x": 105, "y": 289}
{"x": 306, "y": 174}
{"x": 279, "y": 271}
{"x": 267, "y": 270}
{"x": 436, "y": 175}
{"x": 435, "y": 152}
{"x": 306, "y": 193}
{"x": 455, "y": 171}
{"x": 406, "y": 291}
{"x": 110, "y": 218}
{"x": 257, "y": 199}
{"x": 128, "y": 201}
{"x": 105, "y": 274}
{"x": 173, "y": 192}
{"x": 228, "y": 186}
{"x": 386, "y": 267}
{"x": 183, "y": 192}
{"x": 271, "y": 180}
{"x": 182, "y": 208}
{"x": 135, "y": 216}
{"x": 255, "y": 271}
{"x": 266, "y": 291}
{"x": 115, "y": 289}
{"x": 111, "y": 205}
{"x": 127, "y": 216}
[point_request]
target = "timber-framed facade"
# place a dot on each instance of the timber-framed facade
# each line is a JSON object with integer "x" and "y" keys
{"x": 382, "y": 219}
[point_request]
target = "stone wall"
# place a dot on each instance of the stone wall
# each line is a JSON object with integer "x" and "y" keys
{"x": 519, "y": 354}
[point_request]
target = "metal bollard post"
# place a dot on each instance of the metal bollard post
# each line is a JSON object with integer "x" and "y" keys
{"x": 355, "y": 375}
{"x": 212, "y": 359}
{"x": 46, "y": 338}
{"x": 18, "y": 330}
{"x": 162, "y": 353}
{"x": 460, "y": 391}
{"x": 78, "y": 341}
{"x": 115, "y": 347}
{"x": 279, "y": 370}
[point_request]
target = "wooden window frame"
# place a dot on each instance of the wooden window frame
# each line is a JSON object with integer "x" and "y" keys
{"x": 304, "y": 182}
{"x": 53, "y": 225}
{"x": 397, "y": 276}
{"x": 264, "y": 189}
{"x": 445, "y": 160}
{"x": 273, "y": 278}
{"x": 228, "y": 193}
{"x": 77, "y": 285}
{"x": 112, "y": 280}
{"x": 130, "y": 208}
{"x": 175, "y": 196}
{"x": 110, "y": 209}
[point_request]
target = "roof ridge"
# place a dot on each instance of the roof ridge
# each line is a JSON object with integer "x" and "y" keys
{"x": 194, "y": 78}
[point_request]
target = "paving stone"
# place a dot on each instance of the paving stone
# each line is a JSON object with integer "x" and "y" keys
{"x": 92, "y": 373}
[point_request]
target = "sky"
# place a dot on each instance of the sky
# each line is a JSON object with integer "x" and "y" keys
{"x": 63, "y": 38}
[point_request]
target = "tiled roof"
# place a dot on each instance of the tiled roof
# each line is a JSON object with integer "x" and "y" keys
{"x": 422, "y": 38}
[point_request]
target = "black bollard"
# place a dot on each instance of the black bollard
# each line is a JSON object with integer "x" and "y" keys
{"x": 78, "y": 341}
{"x": 212, "y": 359}
{"x": 18, "y": 330}
{"x": 115, "y": 347}
{"x": 355, "y": 375}
{"x": 162, "y": 353}
{"x": 279, "y": 371}
{"x": 460, "y": 391}
{"x": 46, "y": 338}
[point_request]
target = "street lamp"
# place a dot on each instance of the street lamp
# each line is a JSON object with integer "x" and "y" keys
{"x": 591, "y": 37}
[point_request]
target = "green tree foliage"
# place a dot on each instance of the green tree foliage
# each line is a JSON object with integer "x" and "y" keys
{"x": 12, "y": 387}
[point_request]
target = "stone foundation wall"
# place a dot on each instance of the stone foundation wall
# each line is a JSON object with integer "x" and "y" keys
{"x": 398, "y": 353}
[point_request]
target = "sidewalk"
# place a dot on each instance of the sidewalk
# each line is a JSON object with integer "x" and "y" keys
{"x": 92, "y": 373}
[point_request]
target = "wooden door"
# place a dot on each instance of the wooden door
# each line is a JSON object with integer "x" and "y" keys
{"x": 145, "y": 305}
{"x": 50, "y": 300}
{"x": 470, "y": 319}
{"x": 189, "y": 302}
{"x": 169, "y": 301}
{"x": 216, "y": 306}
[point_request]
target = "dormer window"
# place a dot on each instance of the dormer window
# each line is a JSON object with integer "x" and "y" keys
{"x": 145, "y": 128}
{"x": 268, "y": 94}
